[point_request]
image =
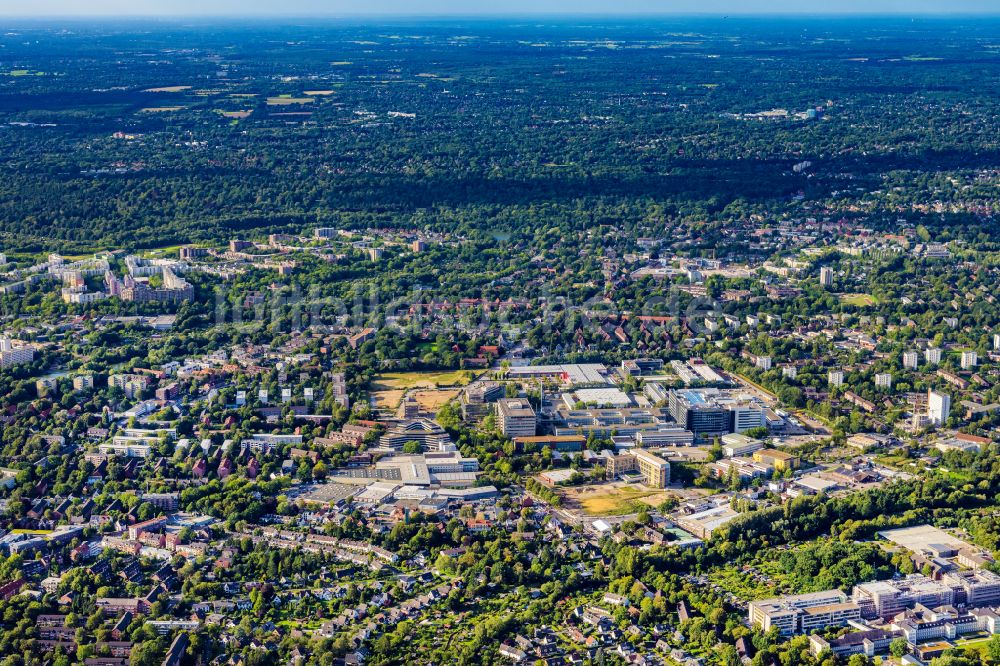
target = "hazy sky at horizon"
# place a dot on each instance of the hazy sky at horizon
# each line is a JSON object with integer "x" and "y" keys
{"x": 42, "y": 8}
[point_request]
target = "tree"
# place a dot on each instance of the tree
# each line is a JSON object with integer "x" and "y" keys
{"x": 993, "y": 650}
{"x": 899, "y": 647}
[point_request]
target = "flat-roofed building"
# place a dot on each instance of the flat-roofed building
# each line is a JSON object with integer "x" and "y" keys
{"x": 777, "y": 459}
{"x": 703, "y": 523}
{"x": 14, "y": 353}
{"x": 786, "y": 613}
{"x": 653, "y": 467}
{"x": 976, "y": 587}
{"x": 938, "y": 407}
{"x": 574, "y": 374}
{"x": 716, "y": 412}
{"x": 516, "y": 418}
{"x": 738, "y": 444}
{"x": 555, "y": 442}
{"x": 886, "y": 598}
{"x": 828, "y": 615}
{"x": 476, "y": 400}
{"x": 664, "y": 437}
{"x": 642, "y": 366}
{"x": 425, "y": 432}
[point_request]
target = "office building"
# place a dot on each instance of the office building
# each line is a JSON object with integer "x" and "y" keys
{"x": 642, "y": 366}
{"x": 779, "y": 460}
{"x": 516, "y": 418}
{"x": 707, "y": 412}
{"x": 886, "y": 598}
{"x": 655, "y": 469}
{"x": 477, "y": 400}
{"x": 429, "y": 435}
{"x": 739, "y": 445}
{"x": 665, "y": 436}
{"x": 789, "y": 614}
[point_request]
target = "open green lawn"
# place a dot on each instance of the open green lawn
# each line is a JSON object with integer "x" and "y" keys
{"x": 408, "y": 380}
{"x": 857, "y": 300}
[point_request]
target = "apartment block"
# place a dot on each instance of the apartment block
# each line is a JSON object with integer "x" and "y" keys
{"x": 938, "y": 407}
{"x": 14, "y": 353}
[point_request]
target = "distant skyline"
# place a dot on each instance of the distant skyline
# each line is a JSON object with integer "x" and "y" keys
{"x": 464, "y": 8}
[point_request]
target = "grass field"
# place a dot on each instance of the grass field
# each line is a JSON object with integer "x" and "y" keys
{"x": 285, "y": 101}
{"x": 160, "y": 252}
{"x": 857, "y": 300}
{"x": 429, "y": 380}
{"x": 612, "y": 500}
{"x": 979, "y": 641}
{"x": 388, "y": 399}
{"x": 432, "y": 401}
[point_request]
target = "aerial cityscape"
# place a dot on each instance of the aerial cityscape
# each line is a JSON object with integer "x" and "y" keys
{"x": 591, "y": 340}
